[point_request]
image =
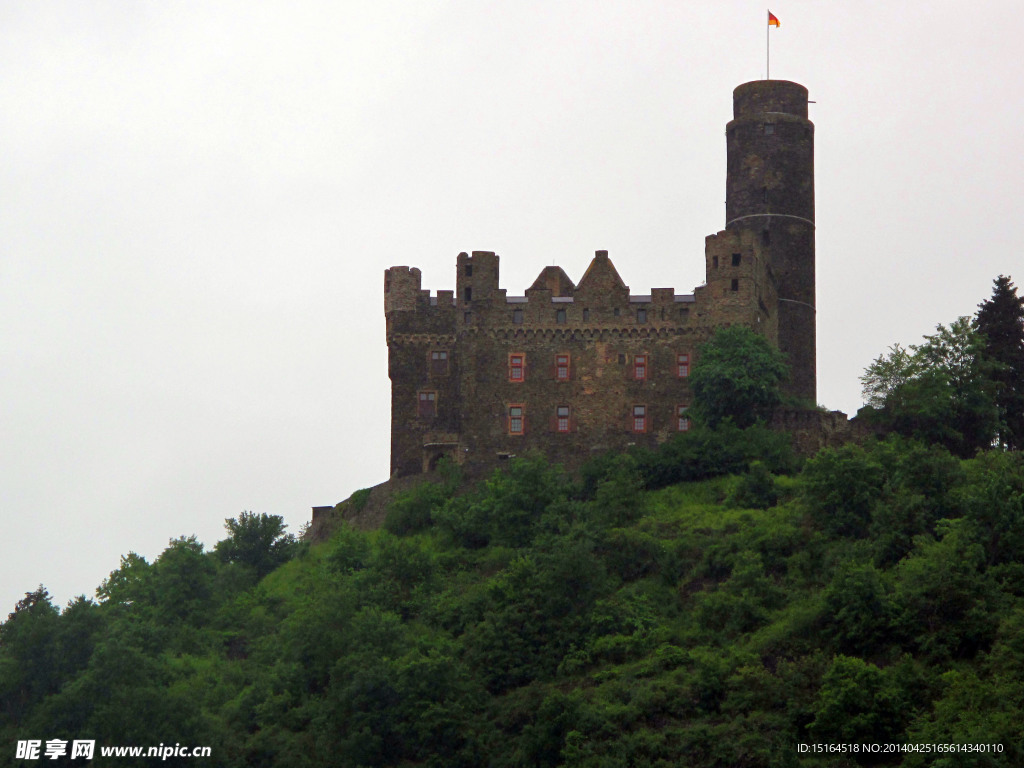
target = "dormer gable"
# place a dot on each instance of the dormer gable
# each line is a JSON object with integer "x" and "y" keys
{"x": 555, "y": 280}
{"x": 601, "y": 282}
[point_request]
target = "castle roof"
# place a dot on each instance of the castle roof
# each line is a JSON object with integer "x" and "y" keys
{"x": 601, "y": 278}
{"x": 555, "y": 280}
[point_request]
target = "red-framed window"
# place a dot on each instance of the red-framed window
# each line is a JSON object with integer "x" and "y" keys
{"x": 517, "y": 367}
{"x": 639, "y": 418}
{"x": 683, "y": 418}
{"x": 562, "y": 367}
{"x": 439, "y": 362}
{"x": 640, "y": 367}
{"x": 562, "y": 418}
{"x": 427, "y": 404}
{"x": 683, "y": 365}
{"x": 516, "y": 419}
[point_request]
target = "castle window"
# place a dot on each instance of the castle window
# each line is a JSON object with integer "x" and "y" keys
{"x": 683, "y": 418}
{"x": 714, "y": 262}
{"x": 468, "y": 293}
{"x": 427, "y": 408}
{"x": 769, "y": 129}
{"x": 640, "y": 367}
{"x": 639, "y": 418}
{"x": 439, "y": 362}
{"x": 560, "y": 316}
{"x": 516, "y": 368}
{"x": 562, "y": 367}
{"x": 469, "y": 270}
{"x": 516, "y": 420}
{"x": 766, "y": 237}
{"x": 734, "y": 285}
{"x": 562, "y": 418}
{"x": 467, "y": 316}
{"x": 615, "y": 311}
{"x": 517, "y": 316}
{"x": 736, "y": 259}
{"x": 586, "y": 315}
{"x": 683, "y": 365}
{"x": 641, "y": 315}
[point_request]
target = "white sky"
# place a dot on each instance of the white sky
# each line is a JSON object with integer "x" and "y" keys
{"x": 198, "y": 201}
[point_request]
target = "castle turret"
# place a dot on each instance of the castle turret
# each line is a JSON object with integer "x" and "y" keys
{"x": 770, "y": 191}
{"x": 476, "y": 278}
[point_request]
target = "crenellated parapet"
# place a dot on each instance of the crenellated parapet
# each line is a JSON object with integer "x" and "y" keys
{"x": 571, "y": 369}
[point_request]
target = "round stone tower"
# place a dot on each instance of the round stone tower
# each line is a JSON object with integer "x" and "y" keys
{"x": 770, "y": 191}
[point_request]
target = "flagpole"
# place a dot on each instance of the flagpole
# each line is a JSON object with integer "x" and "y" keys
{"x": 767, "y": 47}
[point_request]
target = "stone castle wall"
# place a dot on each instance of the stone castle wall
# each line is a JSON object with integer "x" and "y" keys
{"x": 572, "y": 370}
{"x": 568, "y": 370}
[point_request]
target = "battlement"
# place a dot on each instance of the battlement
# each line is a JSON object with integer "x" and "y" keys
{"x": 572, "y": 369}
{"x": 401, "y": 289}
{"x": 553, "y": 300}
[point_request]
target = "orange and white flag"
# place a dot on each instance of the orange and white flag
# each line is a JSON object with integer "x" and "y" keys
{"x": 773, "y": 20}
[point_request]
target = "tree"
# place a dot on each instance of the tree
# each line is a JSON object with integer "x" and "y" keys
{"x": 28, "y": 655}
{"x": 859, "y": 702}
{"x": 884, "y": 380}
{"x": 1000, "y": 320}
{"x": 942, "y": 391}
{"x": 841, "y": 487}
{"x": 258, "y": 541}
{"x": 738, "y": 375}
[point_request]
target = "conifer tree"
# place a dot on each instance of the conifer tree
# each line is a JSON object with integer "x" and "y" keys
{"x": 1001, "y": 321}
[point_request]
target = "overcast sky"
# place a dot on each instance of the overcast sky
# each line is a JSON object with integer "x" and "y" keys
{"x": 198, "y": 201}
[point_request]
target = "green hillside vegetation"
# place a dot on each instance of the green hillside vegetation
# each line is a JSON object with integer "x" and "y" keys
{"x": 713, "y": 603}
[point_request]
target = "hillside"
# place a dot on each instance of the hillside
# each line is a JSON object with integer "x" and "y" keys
{"x": 711, "y": 604}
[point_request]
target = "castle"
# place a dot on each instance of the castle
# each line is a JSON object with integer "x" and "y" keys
{"x": 574, "y": 369}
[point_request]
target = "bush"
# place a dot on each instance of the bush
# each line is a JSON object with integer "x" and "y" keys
{"x": 755, "y": 490}
{"x": 704, "y": 452}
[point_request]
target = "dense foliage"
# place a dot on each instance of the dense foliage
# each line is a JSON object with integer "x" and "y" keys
{"x": 738, "y": 376}
{"x": 708, "y": 605}
{"x": 963, "y": 387}
{"x": 712, "y": 603}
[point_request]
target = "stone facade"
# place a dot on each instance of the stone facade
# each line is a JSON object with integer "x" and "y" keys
{"x": 573, "y": 370}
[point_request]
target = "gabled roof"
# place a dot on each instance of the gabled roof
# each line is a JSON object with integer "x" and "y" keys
{"x": 601, "y": 278}
{"x": 555, "y": 280}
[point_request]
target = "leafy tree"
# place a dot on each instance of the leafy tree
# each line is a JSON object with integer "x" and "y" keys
{"x": 737, "y": 375}
{"x": 921, "y": 487}
{"x": 1000, "y": 320}
{"x": 858, "y": 609}
{"x": 182, "y": 581}
{"x": 257, "y": 541}
{"x": 841, "y": 487}
{"x": 421, "y": 709}
{"x": 129, "y": 584}
{"x": 942, "y": 391}
{"x": 993, "y": 499}
{"x": 971, "y": 711}
{"x": 858, "y": 702}
{"x": 123, "y": 697}
{"x": 945, "y": 603}
{"x": 884, "y": 380}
